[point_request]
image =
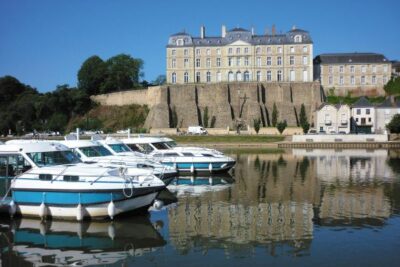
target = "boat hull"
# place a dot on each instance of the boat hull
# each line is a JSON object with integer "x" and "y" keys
{"x": 202, "y": 167}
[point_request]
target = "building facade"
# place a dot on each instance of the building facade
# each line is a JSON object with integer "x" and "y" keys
{"x": 357, "y": 73}
{"x": 240, "y": 55}
{"x": 384, "y": 113}
{"x": 333, "y": 119}
{"x": 363, "y": 116}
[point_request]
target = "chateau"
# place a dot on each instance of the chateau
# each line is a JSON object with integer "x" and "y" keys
{"x": 240, "y": 55}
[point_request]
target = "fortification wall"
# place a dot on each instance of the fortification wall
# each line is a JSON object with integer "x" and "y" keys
{"x": 227, "y": 102}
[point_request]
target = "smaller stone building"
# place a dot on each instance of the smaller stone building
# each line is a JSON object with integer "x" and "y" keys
{"x": 363, "y": 116}
{"x": 384, "y": 113}
{"x": 333, "y": 118}
{"x": 357, "y": 73}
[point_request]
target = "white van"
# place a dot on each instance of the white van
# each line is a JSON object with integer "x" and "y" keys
{"x": 196, "y": 130}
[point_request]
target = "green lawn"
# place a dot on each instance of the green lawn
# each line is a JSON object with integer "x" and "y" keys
{"x": 228, "y": 138}
{"x": 241, "y": 150}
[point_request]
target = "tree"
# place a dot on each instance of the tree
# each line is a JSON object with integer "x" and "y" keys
{"x": 174, "y": 118}
{"x": 213, "y": 120}
{"x": 394, "y": 125}
{"x": 257, "y": 125}
{"x": 303, "y": 119}
{"x": 205, "y": 117}
{"x": 92, "y": 75}
{"x": 160, "y": 80}
{"x": 123, "y": 72}
{"x": 275, "y": 115}
{"x": 281, "y": 126}
{"x": 393, "y": 86}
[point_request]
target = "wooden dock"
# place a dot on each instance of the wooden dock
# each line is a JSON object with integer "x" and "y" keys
{"x": 342, "y": 145}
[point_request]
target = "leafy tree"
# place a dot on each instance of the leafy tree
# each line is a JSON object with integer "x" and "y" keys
{"x": 257, "y": 125}
{"x": 213, "y": 120}
{"x": 205, "y": 117}
{"x": 92, "y": 75}
{"x": 275, "y": 115}
{"x": 281, "y": 126}
{"x": 123, "y": 72}
{"x": 394, "y": 125}
{"x": 303, "y": 119}
{"x": 10, "y": 89}
{"x": 393, "y": 86}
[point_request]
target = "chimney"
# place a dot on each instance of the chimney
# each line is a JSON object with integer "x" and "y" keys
{"x": 223, "y": 34}
{"x": 252, "y": 31}
{"x": 273, "y": 31}
{"x": 202, "y": 32}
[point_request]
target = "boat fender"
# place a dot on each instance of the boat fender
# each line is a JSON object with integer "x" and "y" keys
{"x": 12, "y": 208}
{"x": 42, "y": 228}
{"x": 111, "y": 210}
{"x": 43, "y": 208}
{"x": 111, "y": 231}
{"x": 79, "y": 212}
{"x": 192, "y": 168}
{"x": 158, "y": 204}
{"x": 210, "y": 167}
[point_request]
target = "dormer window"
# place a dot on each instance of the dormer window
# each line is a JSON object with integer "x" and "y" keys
{"x": 179, "y": 42}
{"x": 297, "y": 39}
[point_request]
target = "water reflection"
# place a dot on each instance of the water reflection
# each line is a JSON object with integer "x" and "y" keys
{"x": 72, "y": 243}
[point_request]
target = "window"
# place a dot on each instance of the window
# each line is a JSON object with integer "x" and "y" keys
{"x": 246, "y": 50}
{"x": 238, "y": 76}
{"x": 258, "y": 50}
{"x": 230, "y": 76}
{"x": 186, "y": 62}
{"x": 198, "y": 77}
{"x": 208, "y": 76}
{"x": 291, "y": 49}
{"x": 341, "y": 68}
{"x": 230, "y": 50}
{"x": 208, "y": 62}
{"x": 173, "y": 52}
{"x": 279, "y": 61}
{"x": 246, "y": 76}
{"x": 373, "y": 79}
{"x": 352, "y": 69}
{"x": 373, "y": 68}
{"x": 362, "y": 79}
{"x": 179, "y": 42}
{"x": 269, "y": 76}
{"x": 358, "y": 111}
{"x": 246, "y": 61}
{"x": 173, "y": 78}
{"x": 369, "y": 119}
{"x": 230, "y": 61}
{"x": 356, "y": 119}
{"x": 258, "y": 62}
{"x": 297, "y": 39}
{"x": 268, "y": 49}
{"x": 279, "y": 75}
{"x": 305, "y": 76}
{"x": 258, "y": 76}
{"x": 12, "y": 165}
{"x": 197, "y": 62}
{"x": 363, "y": 69}
{"x": 330, "y": 81}
{"x": 280, "y": 50}
{"x": 219, "y": 77}
{"x": 198, "y": 52}
{"x": 385, "y": 68}
{"x": 341, "y": 81}
{"x": 384, "y": 79}
{"x": 238, "y": 50}
{"x": 208, "y": 51}
{"x": 218, "y": 51}
{"x": 186, "y": 77}
{"x": 185, "y": 52}
{"x": 218, "y": 62}
{"x": 268, "y": 61}
{"x": 292, "y": 76}
{"x": 305, "y": 60}
{"x": 352, "y": 80}
{"x": 305, "y": 49}
{"x": 291, "y": 60}
{"x": 330, "y": 69}
{"x": 367, "y": 111}
{"x": 173, "y": 63}
{"x": 238, "y": 61}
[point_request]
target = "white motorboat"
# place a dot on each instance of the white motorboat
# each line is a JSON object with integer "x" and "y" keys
{"x": 49, "y": 180}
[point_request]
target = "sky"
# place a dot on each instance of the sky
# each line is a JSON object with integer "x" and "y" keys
{"x": 43, "y": 43}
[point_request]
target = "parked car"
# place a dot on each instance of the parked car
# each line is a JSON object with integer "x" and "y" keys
{"x": 312, "y": 131}
{"x": 197, "y": 130}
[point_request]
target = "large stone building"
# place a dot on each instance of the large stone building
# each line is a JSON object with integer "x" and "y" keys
{"x": 357, "y": 73}
{"x": 240, "y": 55}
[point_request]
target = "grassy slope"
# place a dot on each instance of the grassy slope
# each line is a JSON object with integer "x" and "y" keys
{"x": 228, "y": 139}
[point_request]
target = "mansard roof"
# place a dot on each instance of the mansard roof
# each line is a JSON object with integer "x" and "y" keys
{"x": 346, "y": 58}
{"x": 362, "y": 102}
{"x": 241, "y": 34}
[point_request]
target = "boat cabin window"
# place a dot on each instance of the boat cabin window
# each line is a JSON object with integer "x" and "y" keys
{"x": 71, "y": 178}
{"x": 160, "y": 146}
{"x": 45, "y": 177}
{"x": 143, "y": 148}
{"x": 207, "y": 155}
{"x": 12, "y": 165}
{"x": 187, "y": 154}
{"x": 171, "y": 155}
{"x": 95, "y": 151}
{"x": 171, "y": 144}
{"x": 118, "y": 148}
{"x": 52, "y": 158}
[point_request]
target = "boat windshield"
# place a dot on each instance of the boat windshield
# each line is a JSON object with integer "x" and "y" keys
{"x": 52, "y": 158}
{"x": 119, "y": 148}
{"x": 160, "y": 146}
{"x": 171, "y": 144}
{"x": 95, "y": 151}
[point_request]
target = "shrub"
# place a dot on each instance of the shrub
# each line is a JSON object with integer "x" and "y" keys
{"x": 257, "y": 125}
{"x": 394, "y": 125}
{"x": 281, "y": 126}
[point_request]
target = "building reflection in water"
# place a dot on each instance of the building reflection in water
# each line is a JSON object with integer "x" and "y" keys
{"x": 32, "y": 242}
{"x": 277, "y": 198}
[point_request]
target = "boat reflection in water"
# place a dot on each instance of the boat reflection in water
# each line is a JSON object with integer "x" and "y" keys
{"x": 198, "y": 185}
{"x": 77, "y": 243}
